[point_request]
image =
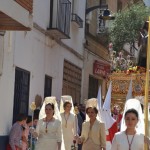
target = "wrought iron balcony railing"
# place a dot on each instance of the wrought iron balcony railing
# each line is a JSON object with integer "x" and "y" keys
{"x": 60, "y": 12}
{"x": 77, "y": 20}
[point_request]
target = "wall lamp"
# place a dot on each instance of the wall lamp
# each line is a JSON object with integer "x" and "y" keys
{"x": 107, "y": 15}
{"x": 106, "y": 12}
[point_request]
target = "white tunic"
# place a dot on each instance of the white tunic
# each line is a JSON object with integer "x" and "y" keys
{"x": 120, "y": 141}
{"x": 47, "y": 141}
{"x": 69, "y": 130}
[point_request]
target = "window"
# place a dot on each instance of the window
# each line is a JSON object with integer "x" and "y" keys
{"x": 21, "y": 92}
{"x": 60, "y": 15}
{"x": 93, "y": 87}
{"x": 48, "y": 86}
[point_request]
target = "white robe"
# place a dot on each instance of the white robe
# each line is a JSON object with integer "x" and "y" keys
{"x": 120, "y": 141}
{"x": 69, "y": 131}
{"x": 49, "y": 140}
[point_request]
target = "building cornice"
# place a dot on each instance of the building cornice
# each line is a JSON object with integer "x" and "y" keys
{"x": 98, "y": 56}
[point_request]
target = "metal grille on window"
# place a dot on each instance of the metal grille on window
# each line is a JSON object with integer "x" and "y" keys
{"x": 48, "y": 86}
{"x": 21, "y": 92}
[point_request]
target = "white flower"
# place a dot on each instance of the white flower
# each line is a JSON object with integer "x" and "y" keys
{"x": 33, "y": 106}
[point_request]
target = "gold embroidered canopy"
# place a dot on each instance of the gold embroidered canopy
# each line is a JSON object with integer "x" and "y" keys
{"x": 120, "y": 85}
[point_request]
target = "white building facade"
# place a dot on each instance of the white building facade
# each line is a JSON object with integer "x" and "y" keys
{"x": 96, "y": 55}
{"x": 46, "y": 61}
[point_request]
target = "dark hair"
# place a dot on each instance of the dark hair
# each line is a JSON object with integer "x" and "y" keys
{"x": 132, "y": 110}
{"x": 65, "y": 104}
{"x": 36, "y": 113}
{"x": 21, "y": 117}
{"x": 80, "y": 105}
{"x": 76, "y": 104}
{"x": 29, "y": 119}
{"x": 23, "y": 128}
{"x": 50, "y": 104}
{"x": 94, "y": 108}
{"x": 35, "y": 117}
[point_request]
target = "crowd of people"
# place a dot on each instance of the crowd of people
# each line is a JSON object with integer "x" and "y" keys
{"x": 20, "y": 136}
{"x": 76, "y": 127}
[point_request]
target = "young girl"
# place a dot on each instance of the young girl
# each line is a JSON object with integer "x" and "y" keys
{"x": 26, "y": 136}
{"x": 130, "y": 138}
{"x": 15, "y": 136}
{"x": 25, "y": 133}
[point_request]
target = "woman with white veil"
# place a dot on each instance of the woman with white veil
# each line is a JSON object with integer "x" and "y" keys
{"x": 132, "y": 128}
{"x": 48, "y": 129}
{"x": 133, "y": 103}
{"x": 68, "y": 121}
{"x": 130, "y": 138}
{"x": 92, "y": 102}
{"x": 93, "y": 131}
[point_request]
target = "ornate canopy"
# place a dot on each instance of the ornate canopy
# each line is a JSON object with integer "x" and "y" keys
{"x": 120, "y": 86}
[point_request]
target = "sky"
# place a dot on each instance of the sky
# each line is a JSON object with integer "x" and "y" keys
{"x": 147, "y": 2}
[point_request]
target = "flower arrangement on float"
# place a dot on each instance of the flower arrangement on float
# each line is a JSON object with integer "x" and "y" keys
{"x": 121, "y": 64}
{"x": 134, "y": 69}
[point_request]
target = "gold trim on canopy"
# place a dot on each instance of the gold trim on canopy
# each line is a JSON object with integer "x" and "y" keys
{"x": 120, "y": 86}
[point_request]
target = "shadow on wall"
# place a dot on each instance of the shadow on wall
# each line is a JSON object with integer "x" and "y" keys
{"x": 38, "y": 101}
{"x": 3, "y": 142}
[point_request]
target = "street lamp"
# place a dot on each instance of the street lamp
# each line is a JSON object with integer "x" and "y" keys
{"x": 107, "y": 15}
{"x": 104, "y": 14}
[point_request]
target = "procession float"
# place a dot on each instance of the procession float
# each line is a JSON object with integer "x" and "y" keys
{"x": 127, "y": 80}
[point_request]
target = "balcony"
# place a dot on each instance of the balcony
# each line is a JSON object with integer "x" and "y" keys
{"x": 27, "y": 4}
{"x": 77, "y": 20}
{"x": 16, "y": 15}
{"x": 60, "y": 12}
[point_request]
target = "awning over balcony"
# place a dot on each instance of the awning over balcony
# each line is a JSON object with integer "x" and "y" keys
{"x": 7, "y": 23}
{"x": 16, "y": 16}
